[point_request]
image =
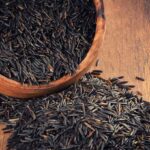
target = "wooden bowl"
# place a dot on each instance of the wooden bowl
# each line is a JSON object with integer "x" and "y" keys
{"x": 15, "y": 89}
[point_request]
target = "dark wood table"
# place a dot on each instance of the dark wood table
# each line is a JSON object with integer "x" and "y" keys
{"x": 126, "y": 47}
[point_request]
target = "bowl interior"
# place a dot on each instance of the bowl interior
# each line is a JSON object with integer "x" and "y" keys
{"x": 15, "y": 89}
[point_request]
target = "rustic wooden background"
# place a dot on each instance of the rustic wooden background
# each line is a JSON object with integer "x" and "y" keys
{"x": 126, "y": 47}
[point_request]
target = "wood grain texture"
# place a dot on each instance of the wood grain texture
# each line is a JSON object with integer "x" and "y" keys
{"x": 3, "y": 138}
{"x": 126, "y": 46}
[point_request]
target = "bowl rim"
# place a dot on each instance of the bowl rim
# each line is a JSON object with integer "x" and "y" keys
{"x": 16, "y": 89}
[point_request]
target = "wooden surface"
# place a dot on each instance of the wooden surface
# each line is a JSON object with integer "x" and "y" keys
{"x": 126, "y": 47}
